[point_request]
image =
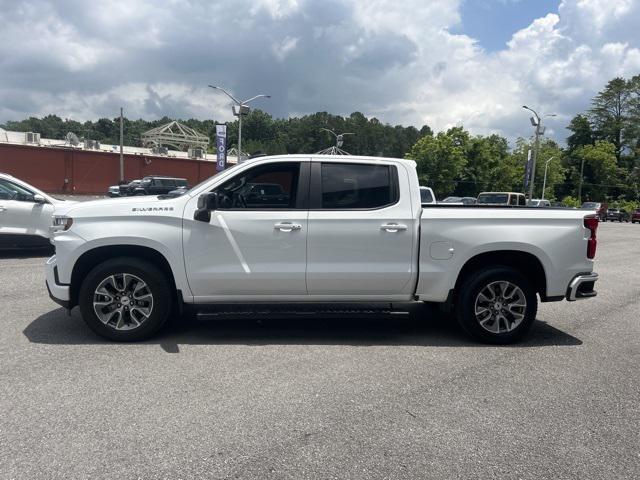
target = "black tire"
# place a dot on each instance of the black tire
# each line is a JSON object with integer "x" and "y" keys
{"x": 157, "y": 284}
{"x": 469, "y": 293}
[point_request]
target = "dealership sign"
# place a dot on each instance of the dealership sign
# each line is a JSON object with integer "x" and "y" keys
{"x": 221, "y": 147}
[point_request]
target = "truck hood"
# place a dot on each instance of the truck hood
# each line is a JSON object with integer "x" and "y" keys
{"x": 126, "y": 206}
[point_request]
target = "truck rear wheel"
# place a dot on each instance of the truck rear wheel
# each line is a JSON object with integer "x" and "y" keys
{"x": 125, "y": 299}
{"x": 496, "y": 305}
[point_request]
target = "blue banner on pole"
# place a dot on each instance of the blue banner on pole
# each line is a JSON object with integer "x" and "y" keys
{"x": 221, "y": 147}
{"x": 527, "y": 171}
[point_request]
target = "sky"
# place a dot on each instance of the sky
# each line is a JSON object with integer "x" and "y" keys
{"x": 442, "y": 63}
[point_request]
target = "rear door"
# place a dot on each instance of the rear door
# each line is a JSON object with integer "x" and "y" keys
{"x": 360, "y": 231}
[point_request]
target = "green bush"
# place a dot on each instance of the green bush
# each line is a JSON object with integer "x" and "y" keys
{"x": 571, "y": 202}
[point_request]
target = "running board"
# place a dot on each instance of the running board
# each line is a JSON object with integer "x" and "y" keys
{"x": 286, "y": 312}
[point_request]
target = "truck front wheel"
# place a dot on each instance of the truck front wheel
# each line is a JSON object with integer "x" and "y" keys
{"x": 125, "y": 299}
{"x": 496, "y": 305}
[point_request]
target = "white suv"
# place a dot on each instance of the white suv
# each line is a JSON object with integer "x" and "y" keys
{"x": 25, "y": 214}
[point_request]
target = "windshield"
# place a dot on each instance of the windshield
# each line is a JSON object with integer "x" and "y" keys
{"x": 591, "y": 205}
{"x": 212, "y": 176}
{"x": 452, "y": 200}
{"x": 493, "y": 198}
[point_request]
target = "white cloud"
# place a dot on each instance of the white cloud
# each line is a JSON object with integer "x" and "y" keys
{"x": 281, "y": 50}
{"x": 395, "y": 60}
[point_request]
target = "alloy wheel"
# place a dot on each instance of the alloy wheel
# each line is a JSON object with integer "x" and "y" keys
{"x": 123, "y": 301}
{"x": 500, "y": 307}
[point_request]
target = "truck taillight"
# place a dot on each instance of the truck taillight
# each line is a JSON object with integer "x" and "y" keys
{"x": 591, "y": 222}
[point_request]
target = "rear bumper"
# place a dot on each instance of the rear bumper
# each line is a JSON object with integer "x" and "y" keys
{"x": 58, "y": 292}
{"x": 582, "y": 286}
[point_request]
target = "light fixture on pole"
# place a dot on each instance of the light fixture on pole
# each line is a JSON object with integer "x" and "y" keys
{"x": 544, "y": 183}
{"x": 242, "y": 109}
{"x": 536, "y": 121}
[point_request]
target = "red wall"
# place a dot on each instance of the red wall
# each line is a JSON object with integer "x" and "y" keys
{"x": 88, "y": 172}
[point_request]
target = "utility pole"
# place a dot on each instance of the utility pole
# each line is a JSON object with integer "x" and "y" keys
{"x": 544, "y": 183}
{"x": 121, "y": 145}
{"x": 580, "y": 184}
{"x": 536, "y": 121}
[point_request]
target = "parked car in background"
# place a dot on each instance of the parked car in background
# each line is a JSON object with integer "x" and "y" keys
{"x": 538, "y": 202}
{"x": 114, "y": 191}
{"x": 128, "y": 189}
{"x": 177, "y": 192}
{"x": 25, "y": 214}
{"x": 157, "y": 185}
{"x": 635, "y": 216}
{"x": 598, "y": 207}
{"x": 501, "y": 198}
{"x": 459, "y": 201}
{"x": 426, "y": 196}
{"x": 617, "y": 215}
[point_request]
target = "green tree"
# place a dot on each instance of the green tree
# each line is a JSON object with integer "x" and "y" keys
{"x": 440, "y": 160}
{"x": 601, "y": 171}
{"x": 609, "y": 113}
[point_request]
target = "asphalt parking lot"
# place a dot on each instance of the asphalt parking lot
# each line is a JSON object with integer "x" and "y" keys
{"x": 318, "y": 398}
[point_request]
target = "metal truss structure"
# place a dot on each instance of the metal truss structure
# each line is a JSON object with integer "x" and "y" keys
{"x": 176, "y": 135}
{"x": 336, "y": 149}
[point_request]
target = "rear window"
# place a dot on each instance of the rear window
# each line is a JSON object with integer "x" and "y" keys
{"x": 493, "y": 198}
{"x": 351, "y": 186}
{"x": 181, "y": 182}
{"x": 425, "y": 196}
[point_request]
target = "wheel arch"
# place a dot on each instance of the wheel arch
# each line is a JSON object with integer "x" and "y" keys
{"x": 97, "y": 255}
{"x": 524, "y": 262}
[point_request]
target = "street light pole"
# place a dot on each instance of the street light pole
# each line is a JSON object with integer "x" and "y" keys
{"x": 544, "y": 183}
{"x": 243, "y": 109}
{"x": 121, "y": 146}
{"x": 580, "y": 184}
{"x": 537, "y": 122}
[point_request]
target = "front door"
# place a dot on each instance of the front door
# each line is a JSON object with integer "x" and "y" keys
{"x": 20, "y": 214}
{"x": 255, "y": 243}
{"x": 361, "y": 232}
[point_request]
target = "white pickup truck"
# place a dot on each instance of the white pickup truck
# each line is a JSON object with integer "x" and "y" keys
{"x": 313, "y": 233}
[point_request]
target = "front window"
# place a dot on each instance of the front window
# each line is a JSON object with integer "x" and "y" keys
{"x": 12, "y": 191}
{"x": 271, "y": 186}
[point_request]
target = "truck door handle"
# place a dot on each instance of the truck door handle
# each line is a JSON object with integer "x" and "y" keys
{"x": 393, "y": 227}
{"x": 287, "y": 227}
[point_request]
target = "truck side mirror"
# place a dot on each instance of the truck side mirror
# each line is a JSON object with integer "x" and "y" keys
{"x": 37, "y": 198}
{"x": 207, "y": 202}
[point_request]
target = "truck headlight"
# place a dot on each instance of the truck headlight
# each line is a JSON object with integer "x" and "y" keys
{"x": 62, "y": 223}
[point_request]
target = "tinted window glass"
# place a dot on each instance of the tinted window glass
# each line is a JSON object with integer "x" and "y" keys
{"x": 425, "y": 196}
{"x": 12, "y": 191}
{"x": 181, "y": 182}
{"x": 493, "y": 198}
{"x": 521, "y": 200}
{"x": 356, "y": 186}
{"x": 266, "y": 187}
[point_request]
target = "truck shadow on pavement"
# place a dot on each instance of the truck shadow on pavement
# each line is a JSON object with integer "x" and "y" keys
{"x": 431, "y": 329}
